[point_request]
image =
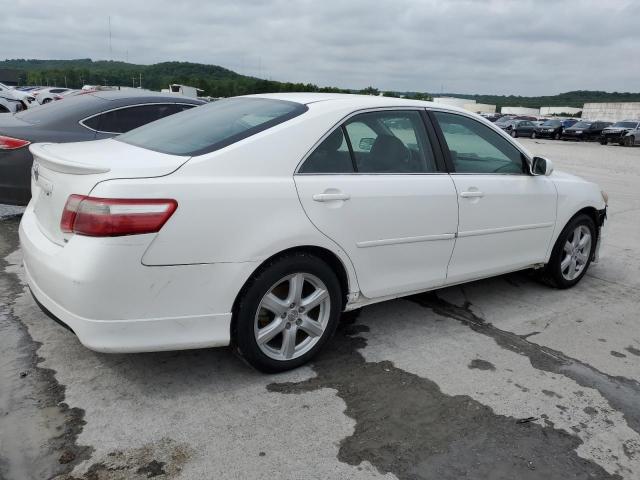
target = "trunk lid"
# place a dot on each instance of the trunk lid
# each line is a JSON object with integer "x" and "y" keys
{"x": 60, "y": 170}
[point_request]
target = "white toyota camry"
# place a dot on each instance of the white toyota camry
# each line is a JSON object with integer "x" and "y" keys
{"x": 254, "y": 221}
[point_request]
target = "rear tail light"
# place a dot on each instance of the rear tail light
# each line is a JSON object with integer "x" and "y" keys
{"x": 114, "y": 217}
{"x": 10, "y": 143}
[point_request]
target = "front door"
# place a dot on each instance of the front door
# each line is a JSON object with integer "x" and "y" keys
{"x": 373, "y": 186}
{"x": 507, "y": 215}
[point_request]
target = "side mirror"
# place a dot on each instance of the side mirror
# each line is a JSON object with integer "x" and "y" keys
{"x": 541, "y": 166}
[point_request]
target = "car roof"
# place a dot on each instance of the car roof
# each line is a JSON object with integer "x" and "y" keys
{"x": 146, "y": 95}
{"x": 355, "y": 101}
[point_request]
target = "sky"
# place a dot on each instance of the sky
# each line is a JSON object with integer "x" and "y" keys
{"x": 520, "y": 47}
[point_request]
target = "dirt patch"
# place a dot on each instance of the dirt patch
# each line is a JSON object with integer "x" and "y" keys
{"x": 163, "y": 459}
{"x": 406, "y": 426}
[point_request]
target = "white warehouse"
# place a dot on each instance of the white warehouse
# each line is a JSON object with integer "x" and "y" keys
{"x": 520, "y": 111}
{"x": 559, "y": 110}
{"x": 612, "y": 112}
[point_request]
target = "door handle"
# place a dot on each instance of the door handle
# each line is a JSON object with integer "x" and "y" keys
{"x": 472, "y": 194}
{"x": 328, "y": 197}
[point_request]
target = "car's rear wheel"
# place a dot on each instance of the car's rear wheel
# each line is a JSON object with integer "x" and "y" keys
{"x": 572, "y": 253}
{"x": 287, "y": 312}
{"x": 556, "y": 136}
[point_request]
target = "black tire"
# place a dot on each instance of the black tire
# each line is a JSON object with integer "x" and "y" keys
{"x": 629, "y": 141}
{"x": 533, "y": 135}
{"x": 552, "y": 273}
{"x": 514, "y": 133}
{"x": 556, "y": 136}
{"x": 258, "y": 287}
{"x": 603, "y": 142}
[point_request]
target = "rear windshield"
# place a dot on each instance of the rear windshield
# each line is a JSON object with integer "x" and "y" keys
{"x": 551, "y": 123}
{"x": 213, "y": 126}
{"x": 625, "y": 125}
{"x": 70, "y": 108}
{"x": 582, "y": 125}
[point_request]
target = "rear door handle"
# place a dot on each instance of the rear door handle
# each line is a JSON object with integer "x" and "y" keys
{"x": 472, "y": 194}
{"x": 328, "y": 197}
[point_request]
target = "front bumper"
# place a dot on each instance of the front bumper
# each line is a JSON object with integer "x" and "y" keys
{"x": 102, "y": 292}
{"x": 544, "y": 134}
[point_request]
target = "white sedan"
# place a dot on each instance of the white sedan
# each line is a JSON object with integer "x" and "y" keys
{"x": 255, "y": 221}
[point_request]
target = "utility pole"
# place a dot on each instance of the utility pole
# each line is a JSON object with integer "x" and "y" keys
{"x": 110, "y": 49}
{"x": 140, "y": 82}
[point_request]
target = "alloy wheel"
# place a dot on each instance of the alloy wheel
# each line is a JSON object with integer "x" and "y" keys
{"x": 576, "y": 249}
{"x": 292, "y": 317}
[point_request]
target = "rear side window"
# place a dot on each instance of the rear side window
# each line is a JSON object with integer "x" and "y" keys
{"x": 126, "y": 119}
{"x": 376, "y": 142}
{"x": 211, "y": 127}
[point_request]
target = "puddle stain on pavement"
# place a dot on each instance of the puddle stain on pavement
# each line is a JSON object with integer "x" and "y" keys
{"x": 406, "y": 426}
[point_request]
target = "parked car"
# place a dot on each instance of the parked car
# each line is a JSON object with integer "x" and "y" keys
{"x": 254, "y": 221}
{"x": 553, "y": 128}
{"x": 625, "y": 133}
{"x": 80, "y": 118}
{"x": 518, "y": 128}
{"x": 47, "y": 95}
{"x": 25, "y": 97}
{"x": 584, "y": 130}
{"x": 12, "y": 100}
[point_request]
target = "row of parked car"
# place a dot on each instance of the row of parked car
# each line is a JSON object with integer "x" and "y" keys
{"x": 625, "y": 133}
{"x": 16, "y": 99}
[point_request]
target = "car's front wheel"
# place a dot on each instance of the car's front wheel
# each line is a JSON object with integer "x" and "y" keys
{"x": 514, "y": 134}
{"x": 572, "y": 253}
{"x": 287, "y": 312}
{"x": 629, "y": 141}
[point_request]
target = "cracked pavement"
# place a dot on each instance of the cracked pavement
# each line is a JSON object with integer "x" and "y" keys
{"x": 502, "y": 378}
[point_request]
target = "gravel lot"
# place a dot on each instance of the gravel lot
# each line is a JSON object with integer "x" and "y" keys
{"x": 499, "y": 379}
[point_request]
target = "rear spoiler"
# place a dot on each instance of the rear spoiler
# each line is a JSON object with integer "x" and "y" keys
{"x": 53, "y": 162}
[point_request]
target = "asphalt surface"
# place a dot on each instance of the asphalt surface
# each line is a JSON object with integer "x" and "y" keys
{"x": 498, "y": 379}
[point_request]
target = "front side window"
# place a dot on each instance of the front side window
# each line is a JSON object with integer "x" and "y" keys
{"x": 476, "y": 148}
{"x": 375, "y": 142}
{"x": 213, "y": 126}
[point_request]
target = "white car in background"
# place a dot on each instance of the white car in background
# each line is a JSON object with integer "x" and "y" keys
{"x": 255, "y": 221}
{"x": 12, "y": 100}
{"x": 51, "y": 94}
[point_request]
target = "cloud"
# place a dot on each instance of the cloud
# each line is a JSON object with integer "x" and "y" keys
{"x": 523, "y": 47}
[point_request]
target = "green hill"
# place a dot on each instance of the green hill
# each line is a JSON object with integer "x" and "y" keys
{"x": 217, "y": 81}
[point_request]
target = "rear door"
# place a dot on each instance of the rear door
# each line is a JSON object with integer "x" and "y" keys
{"x": 375, "y": 186}
{"x": 507, "y": 216}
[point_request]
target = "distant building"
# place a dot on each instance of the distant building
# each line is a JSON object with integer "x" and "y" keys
{"x": 520, "y": 111}
{"x": 559, "y": 110}
{"x": 611, "y": 112}
{"x": 9, "y": 77}
{"x": 453, "y": 101}
{"x": 480, "y": 107}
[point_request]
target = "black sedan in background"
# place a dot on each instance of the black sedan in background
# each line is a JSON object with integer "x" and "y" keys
{"x": 91, "y": 116}
{"x": 554, "y": 128}
{"x": 584, "y": 131}
{"x": 518, "y": 128}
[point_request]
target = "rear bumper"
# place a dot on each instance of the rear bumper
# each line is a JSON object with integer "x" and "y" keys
{"x": 102, "y": 292}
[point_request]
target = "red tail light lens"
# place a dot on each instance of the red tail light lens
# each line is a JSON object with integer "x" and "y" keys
{"x": 10, "y": 143}
{"x": 114, "y": 217}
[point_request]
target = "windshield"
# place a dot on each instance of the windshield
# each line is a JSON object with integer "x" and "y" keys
{"x": 213, "y": 126}
{"x": 551, "y": 123}
{"x": 504, "y": 121}
{"x": 582, "y": 125}
{"x": 625, "y": 125}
